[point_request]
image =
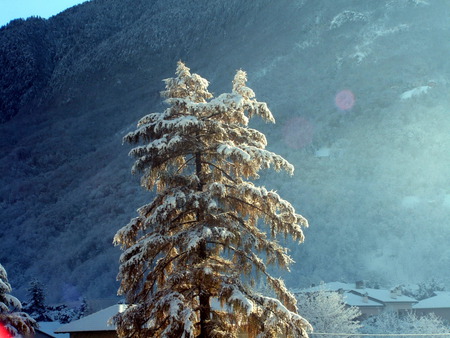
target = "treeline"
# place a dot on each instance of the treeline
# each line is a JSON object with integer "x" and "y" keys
{"x": 40, "y": 59}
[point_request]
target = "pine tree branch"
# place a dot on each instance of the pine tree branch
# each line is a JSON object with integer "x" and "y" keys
{"x": 253, "y": 206}
{"x": 185, "y": 164}
{"x": 205, "y": 118}
{"x": 221, "y": 170}
{"x": 155, "y": 279}
{"x": 241, "y": 254}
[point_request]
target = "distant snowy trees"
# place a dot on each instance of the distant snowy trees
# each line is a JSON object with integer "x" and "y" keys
{"x": 11, "y": 316}
{"x": 425, "y": 289}
{"x": 193, "y": 254}
{"x": 36, "y": 305}
{"x": 327, "y": 312}
{"x": 37, "y": 308}
{"x": 391, "y": 322}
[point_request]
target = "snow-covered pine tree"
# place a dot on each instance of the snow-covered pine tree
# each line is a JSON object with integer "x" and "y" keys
{"x": 15, "y": 321}
{"x": 190, "y": 257}
{"x": 36, "y": 305}
{"x": 83, "y": 308}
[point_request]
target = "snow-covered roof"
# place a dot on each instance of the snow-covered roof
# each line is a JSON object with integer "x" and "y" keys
{"x": 353, "y": 299}
{"x": 377, "y": 295}
{"x": 385, "y": 296}
{"x": 97, "y": 321}
{"x": 439, "y": 301}
{"x": 333, "y": 286}
{"x": 50, "y": 327}
{"x": 40, "y": 333}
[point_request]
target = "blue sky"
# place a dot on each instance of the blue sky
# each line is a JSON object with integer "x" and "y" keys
{"x": 13, "y": 9}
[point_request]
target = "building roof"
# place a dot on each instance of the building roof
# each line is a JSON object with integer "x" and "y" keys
{"x": 379, "y": 296}
{"x": 49, "y": 328}
{"x": 40, "y": 333}
{"x": 353, "y": 299}
{"x": 97, "y": 321}
{"x": 333, "y": 286}
{"x": 386, "y": 296}
{"x": 439, "y": 301}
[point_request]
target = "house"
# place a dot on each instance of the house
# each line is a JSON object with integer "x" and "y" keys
{"x": 367, "y": 306}
{"x": 95, "y": 325}
{"x": 439, "y": 304}
{"x": 369, "y": 301}
{"x": 41, "y": 334}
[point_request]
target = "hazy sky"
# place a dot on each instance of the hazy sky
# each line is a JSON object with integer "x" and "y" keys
{"x": 13, "y": 9}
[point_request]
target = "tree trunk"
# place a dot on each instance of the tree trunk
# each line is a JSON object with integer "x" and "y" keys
{"x": 204, "y": 297}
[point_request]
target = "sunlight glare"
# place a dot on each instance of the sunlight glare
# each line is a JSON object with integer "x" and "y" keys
{"x": 345, "y": 100}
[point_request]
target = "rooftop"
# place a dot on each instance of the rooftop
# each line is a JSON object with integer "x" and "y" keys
{"x": 97, "y": 321}
{"x": 439, "y": 301}
{"x": 353, "y": 299}
{"x": 376, "y": 295}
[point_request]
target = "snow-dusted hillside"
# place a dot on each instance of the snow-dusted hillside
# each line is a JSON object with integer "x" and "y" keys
{"x": 371, "y": 163}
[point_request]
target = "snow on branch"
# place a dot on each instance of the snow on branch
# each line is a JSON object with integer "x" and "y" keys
{"x": 229, "y": 150}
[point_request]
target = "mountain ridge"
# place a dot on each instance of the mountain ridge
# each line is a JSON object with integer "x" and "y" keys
{"x": 73, "y": 85}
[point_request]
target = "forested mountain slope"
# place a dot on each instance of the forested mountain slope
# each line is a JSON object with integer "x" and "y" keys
{"x": 371, "y": 170}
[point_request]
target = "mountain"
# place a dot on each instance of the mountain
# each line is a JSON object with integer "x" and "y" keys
{"x": 359, "y": 90}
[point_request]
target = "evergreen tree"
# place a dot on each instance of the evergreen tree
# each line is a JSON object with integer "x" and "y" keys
{"x": 11, "y": 316}
{"x": 36, "y": 306}
{"x": 190, "y": 258}
{"x": 83, "y": 309}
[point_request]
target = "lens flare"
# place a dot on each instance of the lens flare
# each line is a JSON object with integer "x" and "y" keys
{"x": 4, "y": 333}
{"x": 344, "y": 100}
{"x": 298, "y": 133}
